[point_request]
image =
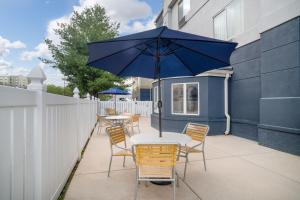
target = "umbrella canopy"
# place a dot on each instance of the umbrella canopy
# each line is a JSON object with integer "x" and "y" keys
{"x": 114, "y": 91}
{"x": 160, "y": 53}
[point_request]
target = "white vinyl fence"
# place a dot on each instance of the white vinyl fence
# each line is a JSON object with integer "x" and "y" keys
{"x": 144, "y": 108}
{"x": 42, "y": 136}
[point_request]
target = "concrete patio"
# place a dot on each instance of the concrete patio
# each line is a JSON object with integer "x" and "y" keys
{"x": 237, "y": 168}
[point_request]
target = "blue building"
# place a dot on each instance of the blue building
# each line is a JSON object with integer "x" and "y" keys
{"x": 258, "y": 96}
{"x": 141, "y": 89}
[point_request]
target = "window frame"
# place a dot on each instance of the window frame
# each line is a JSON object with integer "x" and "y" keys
{"x": 225, "y": 10}
{"x": 182, "y": 21}
{"x": 155, "y": 99}
{"x": 184, "y": 99}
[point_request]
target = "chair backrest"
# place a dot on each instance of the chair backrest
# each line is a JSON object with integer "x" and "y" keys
{"x": 196, "y": 131}
{"x": 99, "y": 117}
{"x": 110, "y": 111}
{"x": 135, "y": 118}
{"x": 160, "y": 155}
{"x": 116, "y": 134}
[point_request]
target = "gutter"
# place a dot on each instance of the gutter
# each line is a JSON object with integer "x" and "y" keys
{"x": 226, "y": 103}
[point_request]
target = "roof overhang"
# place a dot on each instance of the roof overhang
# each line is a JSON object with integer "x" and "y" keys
{"x": 214, "y": 73}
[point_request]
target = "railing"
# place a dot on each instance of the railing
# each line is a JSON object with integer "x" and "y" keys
{"x": 144, "y": 108}
{"x": 42, "y": 136}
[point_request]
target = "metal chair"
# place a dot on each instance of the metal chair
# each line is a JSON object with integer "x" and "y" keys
{"x": 110, "y": 111}
{"x": 117, "y": 137}
{"x": 102, "y": 122}
{"x": 156, "y": 162}
{"x": 198, "y": 133}
{"x": 133, "y": 122}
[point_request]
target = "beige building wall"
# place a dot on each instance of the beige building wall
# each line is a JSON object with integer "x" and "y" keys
{"x": 14, "y": 81}
{"x": 258, "y": 16}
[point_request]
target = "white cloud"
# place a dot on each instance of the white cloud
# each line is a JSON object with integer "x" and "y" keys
{"x": 40, "y": 50}
{"x": 53, "y": 24}
{"x": 137, "y": 16}
{"x": 54, "y": 76}
{"x": 19, "y": 71}
{"x": 136, "y": 11}
{"x": 5, "y": 45}
{"x": 4, "y": 67}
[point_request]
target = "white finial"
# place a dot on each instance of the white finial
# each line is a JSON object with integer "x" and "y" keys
{"x": 76, "y": 93}
{"x": 37, "y": 78}
{"x": 88, "y": 96}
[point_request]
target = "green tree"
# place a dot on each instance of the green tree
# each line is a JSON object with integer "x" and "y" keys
{"x": 71, "y": 54}
{"x": 67, "y": 91}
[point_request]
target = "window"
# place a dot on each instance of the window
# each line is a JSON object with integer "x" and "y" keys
{"x": 185, "y": 98}
{"x": 183, "y": 9}
{"x": 229, "y": 22}
{"x": 155, "y": 99}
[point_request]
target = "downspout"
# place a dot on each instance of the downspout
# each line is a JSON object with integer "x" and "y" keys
{"x": 226, "y": 104}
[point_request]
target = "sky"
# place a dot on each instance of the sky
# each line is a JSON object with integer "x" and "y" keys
{"x": 26, "y": 23}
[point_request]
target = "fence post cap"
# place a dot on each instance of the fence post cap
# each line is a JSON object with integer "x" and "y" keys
{"x": 37, "y": 78}
{"x": 88, "y": 96}
{"x": 76, "y": 93}
{"x": 38, "y": 73}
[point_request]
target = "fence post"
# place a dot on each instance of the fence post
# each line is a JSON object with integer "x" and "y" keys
{"x": 37, "y": 78}
{"x": 78, "y": 129}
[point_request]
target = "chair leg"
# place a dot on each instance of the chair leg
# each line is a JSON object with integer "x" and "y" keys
{"x": 139, "y": 128}
{"x": 136, "y": 189}
{"x": 177, "y": 180}
{"x": 185, "y": 165}
{"x": 124, "y": 157}
{"x": 204, "y": 160}
{"x": 99, "y": 131}
{"x": 98, "y": 127}
{"x": 174, "y": 191}
{"x": 109, "y": 166}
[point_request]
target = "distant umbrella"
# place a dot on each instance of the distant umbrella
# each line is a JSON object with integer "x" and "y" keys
{"x": 115, "y": 91}
{"x": 160, "y": 53}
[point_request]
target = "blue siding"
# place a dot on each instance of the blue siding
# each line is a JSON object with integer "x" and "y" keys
{"x": 211, "y": 104}
{"x": 279, "y": 125}
{"x": 145, "y": 95}
{"x": 245, "y": 91}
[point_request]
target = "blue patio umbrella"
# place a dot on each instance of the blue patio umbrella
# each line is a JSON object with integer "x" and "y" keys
{"x": 115, "y": 91}
{"x": 160, "y": 53}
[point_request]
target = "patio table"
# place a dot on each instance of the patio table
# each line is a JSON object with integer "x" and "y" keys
{"x": 168, "y": 137}
{"x": 117, "y": 118}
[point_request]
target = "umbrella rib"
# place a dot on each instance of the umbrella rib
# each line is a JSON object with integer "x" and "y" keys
{"x": 201, "y": 40}
{"x": 117, "y": 52}
{"x": 119, "y": 73}
{"x": 115, "y": 40}
{"x": 203, "y": 54}
{"x": 183, "y": 62}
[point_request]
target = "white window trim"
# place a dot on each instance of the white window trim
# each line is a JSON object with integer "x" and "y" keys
{"x": 184, "y": 99}
{"x": 155, "y": 97}
{"x": 184, "y": 15}
{"x": 225, "y": 10}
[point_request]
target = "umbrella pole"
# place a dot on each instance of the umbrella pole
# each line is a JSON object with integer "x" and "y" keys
{"x": 159, "y": 103}
{"x": 115, "y": 104}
